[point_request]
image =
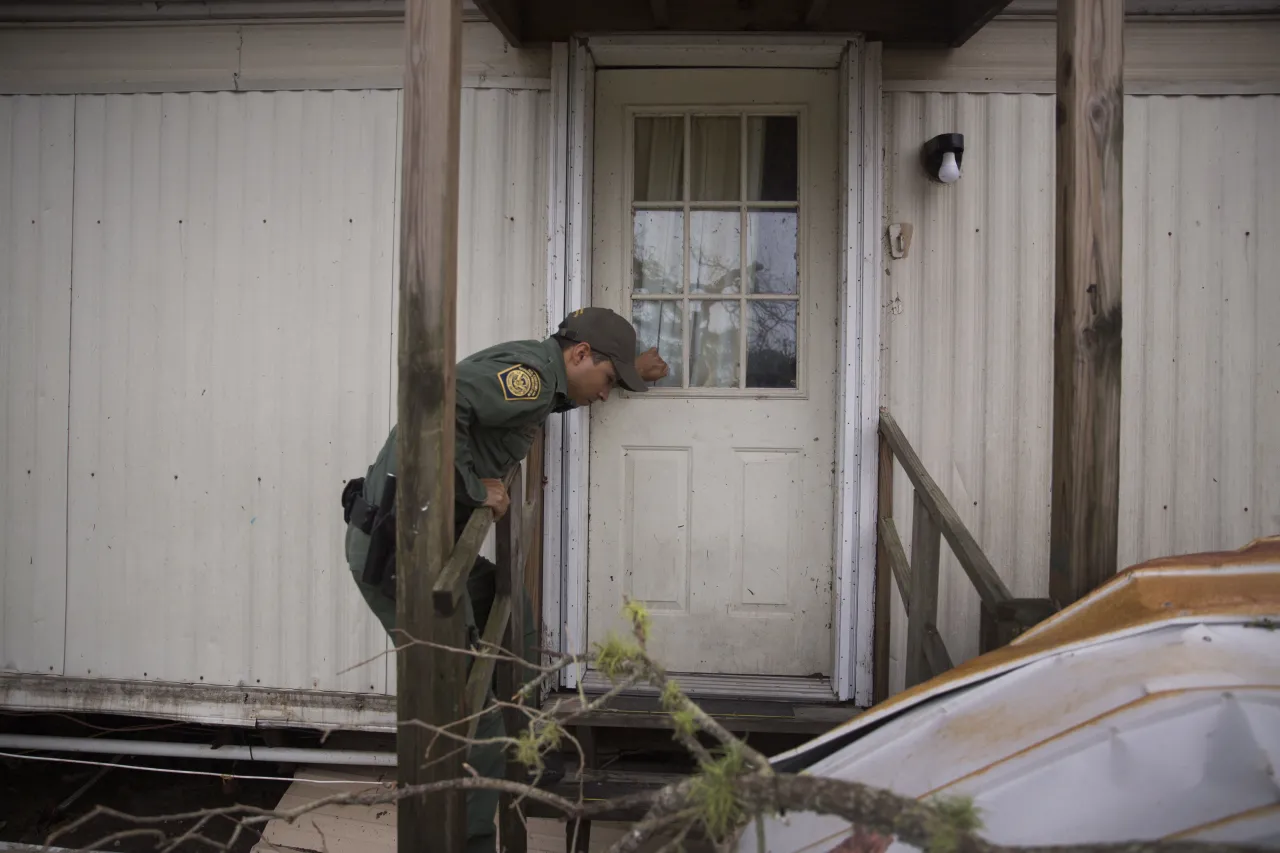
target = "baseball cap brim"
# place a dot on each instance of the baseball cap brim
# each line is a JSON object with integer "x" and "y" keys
{"x": 628, "y": 376}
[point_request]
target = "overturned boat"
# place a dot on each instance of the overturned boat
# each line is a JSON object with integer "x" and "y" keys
{"x": 1148, "y": 710}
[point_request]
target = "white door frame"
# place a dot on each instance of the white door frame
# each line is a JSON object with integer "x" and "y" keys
{"x": 568, "y": 287}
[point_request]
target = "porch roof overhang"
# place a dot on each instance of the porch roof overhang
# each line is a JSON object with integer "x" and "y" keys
{"x": 906, "y": 23}
{"x": 537, "y": 23}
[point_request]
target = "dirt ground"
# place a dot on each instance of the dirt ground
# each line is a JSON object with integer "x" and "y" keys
{"x": 32, "y": 793}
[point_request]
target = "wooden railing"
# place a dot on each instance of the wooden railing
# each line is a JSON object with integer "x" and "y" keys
{"x": 518, "y": 582}
{"x": 933, "y": 518}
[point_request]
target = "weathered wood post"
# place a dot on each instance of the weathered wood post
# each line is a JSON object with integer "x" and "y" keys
{"x": 1087, "y": 306}
{"x": 510, "y": 677}
{"x": 430, "y": 683}
{"x": 922, "y": 612}
{"x": 884, "y": 574}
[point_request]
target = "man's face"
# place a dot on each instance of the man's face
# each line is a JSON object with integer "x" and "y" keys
{"x": 589, "y": 380}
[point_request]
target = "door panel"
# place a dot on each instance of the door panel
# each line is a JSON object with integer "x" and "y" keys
{"x": 656, "y": 509}
{"x": 712, "y": 495}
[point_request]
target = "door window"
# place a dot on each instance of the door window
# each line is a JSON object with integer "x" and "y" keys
{"x": 716, "y": 273}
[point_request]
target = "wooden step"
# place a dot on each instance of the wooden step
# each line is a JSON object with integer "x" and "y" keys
{"x": 736, "y": 715}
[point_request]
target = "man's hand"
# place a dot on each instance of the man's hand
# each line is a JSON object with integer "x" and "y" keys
{"x": 650, "y": 366}
{"x": 497, "y": 498}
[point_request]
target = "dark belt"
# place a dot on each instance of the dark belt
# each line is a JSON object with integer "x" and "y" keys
{"x": 378, "y": 522}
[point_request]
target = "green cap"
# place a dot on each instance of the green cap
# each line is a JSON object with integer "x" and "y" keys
{"x": 607, "y": 333}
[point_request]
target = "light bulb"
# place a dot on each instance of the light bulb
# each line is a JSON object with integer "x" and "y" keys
{"x": 948, "y": 172}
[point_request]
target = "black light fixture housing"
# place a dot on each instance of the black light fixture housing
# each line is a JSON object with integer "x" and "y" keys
{"x": 934, "y": 156}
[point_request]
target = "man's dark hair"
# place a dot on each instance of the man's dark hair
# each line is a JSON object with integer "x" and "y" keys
{"x": 565, "y": 343}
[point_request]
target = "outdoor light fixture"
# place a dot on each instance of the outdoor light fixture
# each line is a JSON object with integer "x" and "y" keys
{"x": 941, "y": 157}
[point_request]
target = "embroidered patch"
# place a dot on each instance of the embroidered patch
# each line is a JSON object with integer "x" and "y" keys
{"x": 520, "y": 383}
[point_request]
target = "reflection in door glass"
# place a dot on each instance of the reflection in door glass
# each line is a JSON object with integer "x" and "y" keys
{"x": 715, "y": 242}
{"x": 713, "y": 347}
{"x": 659, "y": 166}
{"x": 716, "y": 277}
{"x": 772, "y": 158}
{"x": 658, "y": 324}
{"x": 715, "y": 173}
{"x": 771, "y": 250}
{"x": 771, "y": 345}
{"x": 657, "y": 251}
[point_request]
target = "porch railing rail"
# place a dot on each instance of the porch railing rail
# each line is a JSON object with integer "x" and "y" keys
{"x": 518, "y": 540}
{"x": 934, "y": 518}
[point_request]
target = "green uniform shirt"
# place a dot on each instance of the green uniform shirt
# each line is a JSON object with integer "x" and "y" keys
{"x": 504, "y": 393}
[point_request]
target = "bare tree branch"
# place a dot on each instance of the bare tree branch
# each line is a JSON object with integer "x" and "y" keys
{"x": 651, "y": 826}
{"x": 730, "y": 794}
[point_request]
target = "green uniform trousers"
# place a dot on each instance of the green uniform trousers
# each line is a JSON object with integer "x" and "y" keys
{"x": 488, "y": 760}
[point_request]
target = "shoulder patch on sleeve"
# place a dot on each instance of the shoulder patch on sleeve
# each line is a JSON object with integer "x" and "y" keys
{"x": 520, "y": 383}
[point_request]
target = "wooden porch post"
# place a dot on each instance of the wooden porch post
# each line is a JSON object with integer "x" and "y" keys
{"x": 1087, "y": 310}
{"x": 430, "y": 684}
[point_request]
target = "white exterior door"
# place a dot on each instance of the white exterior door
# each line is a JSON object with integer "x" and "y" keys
{"x": 711, "y": 496}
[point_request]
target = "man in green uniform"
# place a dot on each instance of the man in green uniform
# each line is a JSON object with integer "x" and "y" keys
{"x": 504, "y": 393}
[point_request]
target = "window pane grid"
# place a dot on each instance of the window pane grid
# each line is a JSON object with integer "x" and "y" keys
{"x": 686, "y": 329}
{"x": 715, "y": 205}
{"x": 746, "y": 343}
{"x": 745, "y": 318}
{"x": 714, "y": 297}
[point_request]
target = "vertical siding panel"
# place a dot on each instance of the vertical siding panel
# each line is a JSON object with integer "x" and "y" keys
{"x": 1201, "y": 368}
{"x": 502, "y": 201}
{"x": 323, "y": 205}
{"x": 529, "y": 218}
{"x": 344, "y": 168}
{"x": 1264, "y": 513}
{"x": 156, "y": 485}
{"x": 88, "y": 351}
{"x": 904, "y": 320}
{"x": 288, "y": 262}
{"x": 36, "y": 156}
{"x": 1160, "y": 366}
{"x": 233, "y": 315}
{"x": 935, "y": 400}
{"x": 903, "y": 325}
{"x": 1029, "y": 575}
{"x": 261, "y": 211}
{"x": 1239, "y": 328}
{"x": 395, "y": 266}
{"x": 188, "y": 260}
{"x": 928, "y": 423}
{"x": 100, "y": 559}
{"x": 394, "y": 343}
{"x": 1199, "y": 206}
{"x": 311, "y": 206}
{"x": 1134, "y": 263}
{"x": 51, "y": 324}
{"x": 1000, "y": 289}
{"x": 964, "y": 421}
{"x": 369, "y": 203}
{"x": 967, "y": 314}
{"x": 148, "y": 459}
{"x": 474, "y": 267}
